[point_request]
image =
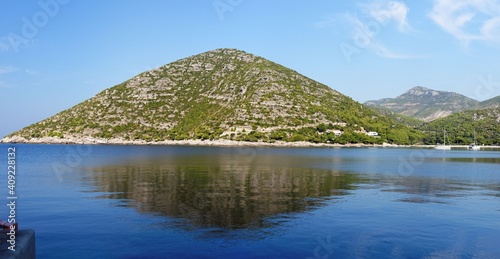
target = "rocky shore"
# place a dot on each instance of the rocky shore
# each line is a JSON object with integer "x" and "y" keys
{"x": 221, "y": 142}
{"x": 197, "y": 142}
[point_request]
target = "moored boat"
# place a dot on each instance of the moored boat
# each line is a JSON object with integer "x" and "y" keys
{"x": 474, "y": 146}
{"x": 443, "y": 146}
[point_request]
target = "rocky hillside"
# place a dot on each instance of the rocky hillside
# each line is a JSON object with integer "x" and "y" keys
{"x": 491, "y": 103}
{"x": 398, "y": 117}
{"x": 220, "y": 94}
{"x": 426, "y": 104}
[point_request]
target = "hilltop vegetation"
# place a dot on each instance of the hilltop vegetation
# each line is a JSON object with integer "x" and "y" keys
{"x": 460, "y": 128}
{"x": 491, "y": 103}
{"x": 222, "y": 94}
{"x": 399, "y": 118}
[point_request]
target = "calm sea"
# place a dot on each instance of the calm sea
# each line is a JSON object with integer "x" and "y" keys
{"x": 214, "y": 202}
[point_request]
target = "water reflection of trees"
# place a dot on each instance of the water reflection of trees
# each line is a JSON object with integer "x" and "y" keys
{"x": 221, "y": 191}
{"x": 429, "y": 190}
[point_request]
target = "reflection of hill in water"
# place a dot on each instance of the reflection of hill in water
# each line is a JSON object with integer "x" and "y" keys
{"x": 228, "y": 191}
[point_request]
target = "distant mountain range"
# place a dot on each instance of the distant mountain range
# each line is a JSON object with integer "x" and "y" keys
{"x": 224, "y": 94}
{"x": 228, "y": 94}
{"x": 428, "y": 104}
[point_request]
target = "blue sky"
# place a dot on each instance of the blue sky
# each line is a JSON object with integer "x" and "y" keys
{"x": 57, "y": 53}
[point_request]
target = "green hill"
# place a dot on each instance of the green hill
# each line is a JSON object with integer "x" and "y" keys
{"x": 400, "y": 118}
{"x": 491, "y": 103}
{"x": 485, "y": 123}
{"x": 220, "y": 94}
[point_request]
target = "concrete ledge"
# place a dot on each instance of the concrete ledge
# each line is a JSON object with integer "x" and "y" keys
{"x": 24, "y": 246}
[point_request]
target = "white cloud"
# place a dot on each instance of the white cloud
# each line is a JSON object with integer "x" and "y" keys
{"x": 14, "y": 42}
{"x": 382, "y": 51}
{"x": 468, "y": 20}
{"x": 374, "y": 18}
{"x": 4, "y": 44}
{"x": 337, "y": 21}
{"x": 7, "y": 70}
{"x": 382, "y": 11}
{"x": 4, "y": 84}
{"x": 32, "y": 72}
{"x": 491, "y": 29}
{"x": 386, "y": 11}
{"x": 328, "y": 22}
{"x": 367, "y": 33}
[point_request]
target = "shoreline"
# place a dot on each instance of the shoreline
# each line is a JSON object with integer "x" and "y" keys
{"x": 215, "y": 143}
{"x": 191, "y": 142}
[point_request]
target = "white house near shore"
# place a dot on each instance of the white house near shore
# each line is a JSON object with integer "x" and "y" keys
{"x": 372, "y": 134}
{"x": 337, "y": 133}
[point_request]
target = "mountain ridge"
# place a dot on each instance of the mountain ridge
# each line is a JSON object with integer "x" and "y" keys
{"x": 428, "y": 104}
{"x": 490, "y": 103}
{"x": 223, "y": 94}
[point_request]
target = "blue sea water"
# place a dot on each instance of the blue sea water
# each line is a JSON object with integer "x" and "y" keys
{"x": 214, "y": 202}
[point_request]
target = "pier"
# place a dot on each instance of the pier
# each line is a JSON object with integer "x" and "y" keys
{"x": 23, "y": 246}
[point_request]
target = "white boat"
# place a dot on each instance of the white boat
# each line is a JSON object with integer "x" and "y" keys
{"x": 443, "y": 146}
{"x": 474, "y": 146}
